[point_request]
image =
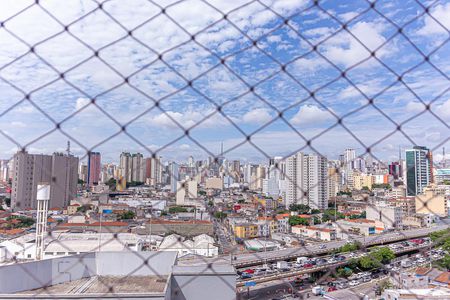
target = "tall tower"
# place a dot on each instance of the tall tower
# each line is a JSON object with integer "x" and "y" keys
{"x": 419, "y": 163}
{"x": 42, "y": 197}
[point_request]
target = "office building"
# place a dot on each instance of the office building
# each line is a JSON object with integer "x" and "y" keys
{"x": 60, "y": 170}
{"x": 419, "y": 165}
{"x": 94, "y": 168}
{"x": 174, "y": 176}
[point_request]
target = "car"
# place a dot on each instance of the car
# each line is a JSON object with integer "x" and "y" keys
{"x": 308, "y": 265}
{"x": 249, "y": 271}
{"x": 332, "y": 289}
{"x": 246, "y": 276}
{"x": 367, "y": 278}
{"x": 353, "y": 283}
{"x": 322, "y": 246}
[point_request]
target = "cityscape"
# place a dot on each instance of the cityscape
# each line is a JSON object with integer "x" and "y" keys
{"x": 209, "y": 149}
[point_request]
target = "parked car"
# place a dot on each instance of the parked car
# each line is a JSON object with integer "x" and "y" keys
{"x": 249, "y": 271}
{"x": 353, "y": 283}
{"x": 246, "y": 276}
{"x": 332, "y": 289}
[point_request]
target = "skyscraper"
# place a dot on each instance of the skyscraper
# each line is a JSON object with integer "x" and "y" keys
{"x": 125, "y": 166}
{"x": 137, "y": 167}
{"x": 419, "y": 165}
{"x": 59, "y": 170}
{"x": 349, "y": 158}
{"x": 307, "y": 180}
{"x": 94, "y": 168}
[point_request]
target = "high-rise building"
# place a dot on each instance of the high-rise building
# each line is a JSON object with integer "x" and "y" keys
{"x": 419, "y": 165}
{"x": 395, "y": 169}
{"x": 83, "y": 172}
{"x": 307, "y": 180}
{"x": 59, "y": 170}
{"x": 137, "y": 167}
{"x": 125, "y": 166}
{"x": 348, "y": 166}
{"x": 4, "y": 170}
{"x": 174, "y": 176}
{"x": 94, "y": 168}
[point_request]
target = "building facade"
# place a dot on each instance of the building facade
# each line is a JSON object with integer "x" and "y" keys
{"x": 61, "y": 171}
{"x": 419, "y": 165}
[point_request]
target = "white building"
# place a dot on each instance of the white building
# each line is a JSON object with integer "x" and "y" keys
{"x": 203, "y": 245}
{"x": 307, "y": 180}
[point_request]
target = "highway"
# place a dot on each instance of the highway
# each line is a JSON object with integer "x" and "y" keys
{"x": 293, "y": 273}
{"x": 252, "y": 259}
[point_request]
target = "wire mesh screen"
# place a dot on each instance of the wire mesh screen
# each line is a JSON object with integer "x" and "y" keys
{"x": 207, "y": 128}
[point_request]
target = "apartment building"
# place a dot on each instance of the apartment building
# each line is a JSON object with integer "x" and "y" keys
{"x": 29, "y": 170}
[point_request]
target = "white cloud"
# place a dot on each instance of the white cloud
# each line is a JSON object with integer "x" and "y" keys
{"x": 345, "y": 49}
{"x": 18, "y": 124}
{"x": 311, "y": 114}
{"x": 257, "y": 116}
{"x": 441, "y": 13}
{"x": 443, "y": 110}
{"x": 81, "y": 102}
{"x": 415, "y": 107}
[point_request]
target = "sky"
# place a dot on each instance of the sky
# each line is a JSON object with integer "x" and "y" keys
{"x": 263, "y": 77}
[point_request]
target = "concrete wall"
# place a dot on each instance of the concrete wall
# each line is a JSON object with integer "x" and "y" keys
{"x": 123, "y": 263}
{"x": 33, "y": 275}
{"x": 201, "y": 283}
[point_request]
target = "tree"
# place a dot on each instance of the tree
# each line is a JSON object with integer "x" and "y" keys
{"x": 300, "y": 208}
{"x": 344, "y": 272}
{"x": 315, "y": 211}
{"x": 296, "y": 220}
{"x": 383, "y": 254}
{"x": 241, "y": 201}
{"x": 8, "y": 201}
{"x": 210, "y": 203}
{"x": 112, "y": 184}
{"x": 177, "y": 209}
{"x": 127, "y": 215}
{"x": 220, "y": 215}
{"x": 202, "y": 193}
{"x": 445, "y": 262}
{"x": 80, "y": 181}
{"x": 341, "y": 193}
{"x": 317, "y": 220}
{"x": 368, "y": 263}
{"x": 328, "y": 215}
{"x": 350, "y": 247}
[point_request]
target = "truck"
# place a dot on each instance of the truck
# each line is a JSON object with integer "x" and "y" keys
{"x": 282, "y": 265}
{"x": 406, "y": 263}
{"x": 317, "y": 290}
{"x": 301, "y": 260}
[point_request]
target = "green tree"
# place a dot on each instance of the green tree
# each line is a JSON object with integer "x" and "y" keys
{"x": 220, "y": 215}
{"x": 445, "y": 262}
{"x": 80, "y": 181}
{"x": 127, "y": 215}
{"x": 177, "y": 209}
{"x": 112, "y": 184}
{"x": 296, "y": 220}
{"x": 383, "y": 254}
{"x": 329, "y": 215}
{"x": 300, "y": 208}
{"x": 315, "y": 211}
{"x": 241, "y": 201}
{"x": 369, "y": 262}
{"x": 317, "y": 220}
{"x": 210, "y": 203}
{"x": 344, "y": 272}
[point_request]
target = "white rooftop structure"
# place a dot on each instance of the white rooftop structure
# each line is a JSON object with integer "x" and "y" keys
{"x": 200, "y": 245}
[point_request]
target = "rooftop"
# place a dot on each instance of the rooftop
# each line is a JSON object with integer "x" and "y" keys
{"x": 102, "y": 284}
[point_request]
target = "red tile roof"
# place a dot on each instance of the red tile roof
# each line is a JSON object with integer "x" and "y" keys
{"x": 443, "y": 278}
{"x": 12, "y": 231}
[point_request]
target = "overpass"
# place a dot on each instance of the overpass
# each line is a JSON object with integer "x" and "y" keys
{"x": 293, "y": 273}
{"x": 258, "y": 258}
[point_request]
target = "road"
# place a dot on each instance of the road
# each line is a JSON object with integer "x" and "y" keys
{"x": 223, "y": 237}
{"x": 251, "y": 259}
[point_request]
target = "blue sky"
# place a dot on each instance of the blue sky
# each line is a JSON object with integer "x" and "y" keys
{"x": 279, "y": 43}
